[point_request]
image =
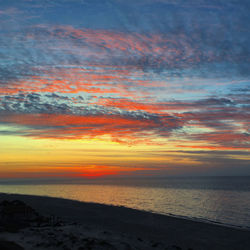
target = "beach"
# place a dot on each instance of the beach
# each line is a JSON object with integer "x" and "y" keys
{"x": 69, "y": 224}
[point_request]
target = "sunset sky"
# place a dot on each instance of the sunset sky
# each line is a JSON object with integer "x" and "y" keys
{"x": 94, "y": 88}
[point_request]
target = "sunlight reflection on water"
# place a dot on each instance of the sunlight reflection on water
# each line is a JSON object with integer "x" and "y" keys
{"x": 224, "y": 206}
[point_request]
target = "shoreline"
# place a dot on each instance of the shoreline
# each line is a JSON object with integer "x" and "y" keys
{"x": 194, "y": 219}
{"x": 202, "y": 220}
{"x": 167, "y": 230}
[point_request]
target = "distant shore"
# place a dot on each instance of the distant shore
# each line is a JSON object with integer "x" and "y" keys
{"x": 96, "y": 226}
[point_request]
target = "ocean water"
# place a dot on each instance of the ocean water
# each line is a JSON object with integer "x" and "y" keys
{"x": 223, "y": 200}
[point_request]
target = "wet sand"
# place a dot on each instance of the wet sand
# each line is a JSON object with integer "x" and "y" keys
{"x": 78, "y": 225}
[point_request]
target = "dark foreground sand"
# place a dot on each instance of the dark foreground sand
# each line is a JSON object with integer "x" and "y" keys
{"x": 68, "y": 224}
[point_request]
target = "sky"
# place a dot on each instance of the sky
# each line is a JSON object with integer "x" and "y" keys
{"x": 108, "y": 88}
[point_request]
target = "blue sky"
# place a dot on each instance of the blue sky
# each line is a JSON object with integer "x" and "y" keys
{"x": 164, "y": 75}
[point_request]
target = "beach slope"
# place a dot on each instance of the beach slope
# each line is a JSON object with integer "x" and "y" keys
{"x": 67, "y": 224}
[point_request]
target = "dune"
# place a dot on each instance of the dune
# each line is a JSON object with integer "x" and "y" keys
{"x": 37, "y": 222}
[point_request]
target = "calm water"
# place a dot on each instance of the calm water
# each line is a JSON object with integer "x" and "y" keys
{"x": 219, "y": 199}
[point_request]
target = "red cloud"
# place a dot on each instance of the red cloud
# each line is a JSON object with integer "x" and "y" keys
{"x": 63, "y": 126}
{"x": 211, "y": 147}
{"x": 95, "y": 171}
{"x": 157, "y": 108}
{"x": 75, "y": 80}
{"x": 225, "y": 138}
{"x": 155, "y": 48}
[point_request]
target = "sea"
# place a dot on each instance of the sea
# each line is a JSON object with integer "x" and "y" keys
{"x": 220, "y": 200}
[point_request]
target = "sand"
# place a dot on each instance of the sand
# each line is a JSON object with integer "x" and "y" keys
{"x": 78, "y": 225}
